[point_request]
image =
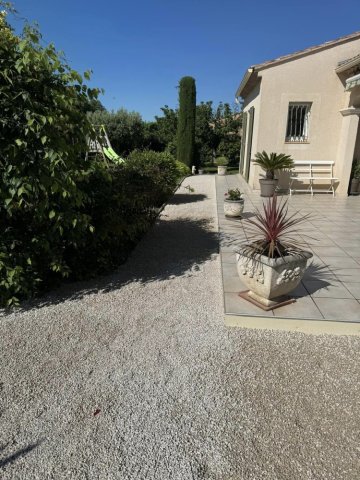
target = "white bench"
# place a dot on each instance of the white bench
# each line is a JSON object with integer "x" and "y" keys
{"x": 310, "y": 171}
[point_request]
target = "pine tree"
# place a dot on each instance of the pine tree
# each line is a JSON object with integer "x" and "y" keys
{"x": 186, "y": 124}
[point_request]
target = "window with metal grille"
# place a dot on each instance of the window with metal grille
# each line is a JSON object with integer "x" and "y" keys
{"x": 297, "y": 129}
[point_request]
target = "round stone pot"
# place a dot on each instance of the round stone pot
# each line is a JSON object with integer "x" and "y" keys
{"x": 201, "y": 171}
{"x": 268, "y": 186}
{"x": 222, "y": 169}
{"x": 233, "y": 208}
{"x": 269, "y": 279}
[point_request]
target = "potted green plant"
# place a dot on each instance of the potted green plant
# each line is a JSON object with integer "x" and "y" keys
{"x": 222, "y": 163}
{"x": 271, "y": 164}
{"x": 233, "y": 203}
{"x": 355, "y": 178}
{"x": 272, "y": 262}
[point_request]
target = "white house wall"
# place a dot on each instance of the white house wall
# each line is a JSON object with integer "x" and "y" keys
{"x": 311, "y": 78}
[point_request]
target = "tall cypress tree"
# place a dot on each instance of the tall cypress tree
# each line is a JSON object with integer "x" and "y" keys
{"x": 186, "y": 123}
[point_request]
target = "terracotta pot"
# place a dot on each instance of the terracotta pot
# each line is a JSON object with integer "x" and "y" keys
{"x": 222, "y": 170}
{"x": 233, "y": 208}
{"x": 268, "y": 186}
{"x": 271, "y": 278}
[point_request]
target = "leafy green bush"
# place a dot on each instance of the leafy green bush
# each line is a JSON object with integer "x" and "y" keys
{"x": 159, "y": 167}
{"x": 221, "y": 161}
{"x": 62, "y": 214}
{"x": 123, "y": 202}
{"x": 182, "y": 169}
{"x": 42, "y": 162}
{"x": 120, "y": 203}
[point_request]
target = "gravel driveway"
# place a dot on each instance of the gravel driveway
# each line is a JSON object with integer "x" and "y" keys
{"x": 134, "y": 376}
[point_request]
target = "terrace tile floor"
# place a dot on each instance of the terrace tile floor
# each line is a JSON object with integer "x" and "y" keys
{"x": 330, "y": 289}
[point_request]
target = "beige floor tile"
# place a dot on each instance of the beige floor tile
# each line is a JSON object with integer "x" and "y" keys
{"x": 352, "y": 251}
{"x": 239, "y": 306}
{"x": 304, "y": 307}
{"x": 229, "y": 270}
{"x": 347, "y": 275}
{"x": 228, "y": 257}
{"x": 329, "y": 251}
{"x": 323, "y": 289}
{"x": 340, "y": 309}
{"x": 354, "y": 289}
{"x": 233, "y": 284}
{"x": 339, "y": 262}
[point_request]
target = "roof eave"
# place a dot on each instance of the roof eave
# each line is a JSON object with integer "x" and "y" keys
{"x": 346, "y": 66}
{"x": 244, "y": 81}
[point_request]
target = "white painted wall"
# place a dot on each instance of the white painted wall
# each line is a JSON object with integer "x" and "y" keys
{"x": 311, "y": 78}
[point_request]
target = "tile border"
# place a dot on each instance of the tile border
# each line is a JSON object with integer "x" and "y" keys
{"x": 310, "y": 327}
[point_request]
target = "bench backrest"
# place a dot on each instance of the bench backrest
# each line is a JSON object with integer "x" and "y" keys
{"x": 314, "y": 168}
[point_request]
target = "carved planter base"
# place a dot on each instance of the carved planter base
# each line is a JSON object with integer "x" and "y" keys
{"x": 270, "y": 304}
{"x": 271, "y": 278}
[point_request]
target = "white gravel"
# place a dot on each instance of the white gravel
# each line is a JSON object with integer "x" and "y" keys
{"x": 178, "y": 396}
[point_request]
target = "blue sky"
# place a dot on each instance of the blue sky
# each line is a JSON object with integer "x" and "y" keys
{"x": 138, "y": 50}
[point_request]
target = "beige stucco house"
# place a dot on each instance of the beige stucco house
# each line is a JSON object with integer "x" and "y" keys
{"x": 306, "y": 104}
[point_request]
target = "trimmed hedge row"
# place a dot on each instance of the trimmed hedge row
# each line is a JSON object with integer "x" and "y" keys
{"x": 120, "y": 202}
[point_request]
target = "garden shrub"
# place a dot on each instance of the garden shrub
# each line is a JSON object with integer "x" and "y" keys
{"x": 182, "y": 169}
{"x": 63, "y": 214}
{"x": 123, "y": 202}
{"x": 42, "y": 163}
{"x": 120, "y": 203}
{"x": 221, "y": 161}
{"x": 161, "y": 170}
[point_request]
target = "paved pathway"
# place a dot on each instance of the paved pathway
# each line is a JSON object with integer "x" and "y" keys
{"x": 330, "y": 289}
{"x": 134, "y": 376}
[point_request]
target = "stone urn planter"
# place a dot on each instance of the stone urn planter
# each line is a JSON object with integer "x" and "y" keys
{"x": 222, "y": 169}
{"x": 270, "y": 279}
{"x": 271, "y": 163}
{"x": 233, "y": 208}
{"x": 233, "y": 203}
{"x": 222, "y": 163}
{"x": 201, "y": 171}
{"x": 273, "y": 262}
{"x": 268, "y": 186}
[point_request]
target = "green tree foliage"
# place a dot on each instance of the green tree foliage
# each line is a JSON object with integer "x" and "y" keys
{"x": 94, "y": 105}
{"x": 227, "y": 124}
{"x": 206, "y": 137}
{"x": 126, "y": 130}
{"x": 186, "y": 123}
{"x": 217, "y": 132}
{"x": 43, "y": 140}
{"x": 161, "y": 134}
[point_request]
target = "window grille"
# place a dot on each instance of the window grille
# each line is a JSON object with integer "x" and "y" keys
{"x": 297, "y": 129}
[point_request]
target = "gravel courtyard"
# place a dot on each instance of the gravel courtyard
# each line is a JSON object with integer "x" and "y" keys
{"x": 134, "y": 376}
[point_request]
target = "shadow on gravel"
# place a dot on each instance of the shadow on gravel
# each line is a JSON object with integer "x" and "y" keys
{"x": 180, "y": 198}
{"x": 172, "y": 248}
{"x": 19, "y": 453}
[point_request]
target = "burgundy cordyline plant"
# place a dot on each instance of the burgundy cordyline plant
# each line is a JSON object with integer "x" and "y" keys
{"x": 273, "y": 232}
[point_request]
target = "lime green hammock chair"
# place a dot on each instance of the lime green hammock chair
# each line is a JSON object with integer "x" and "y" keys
{"x": 102, "y": 145}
